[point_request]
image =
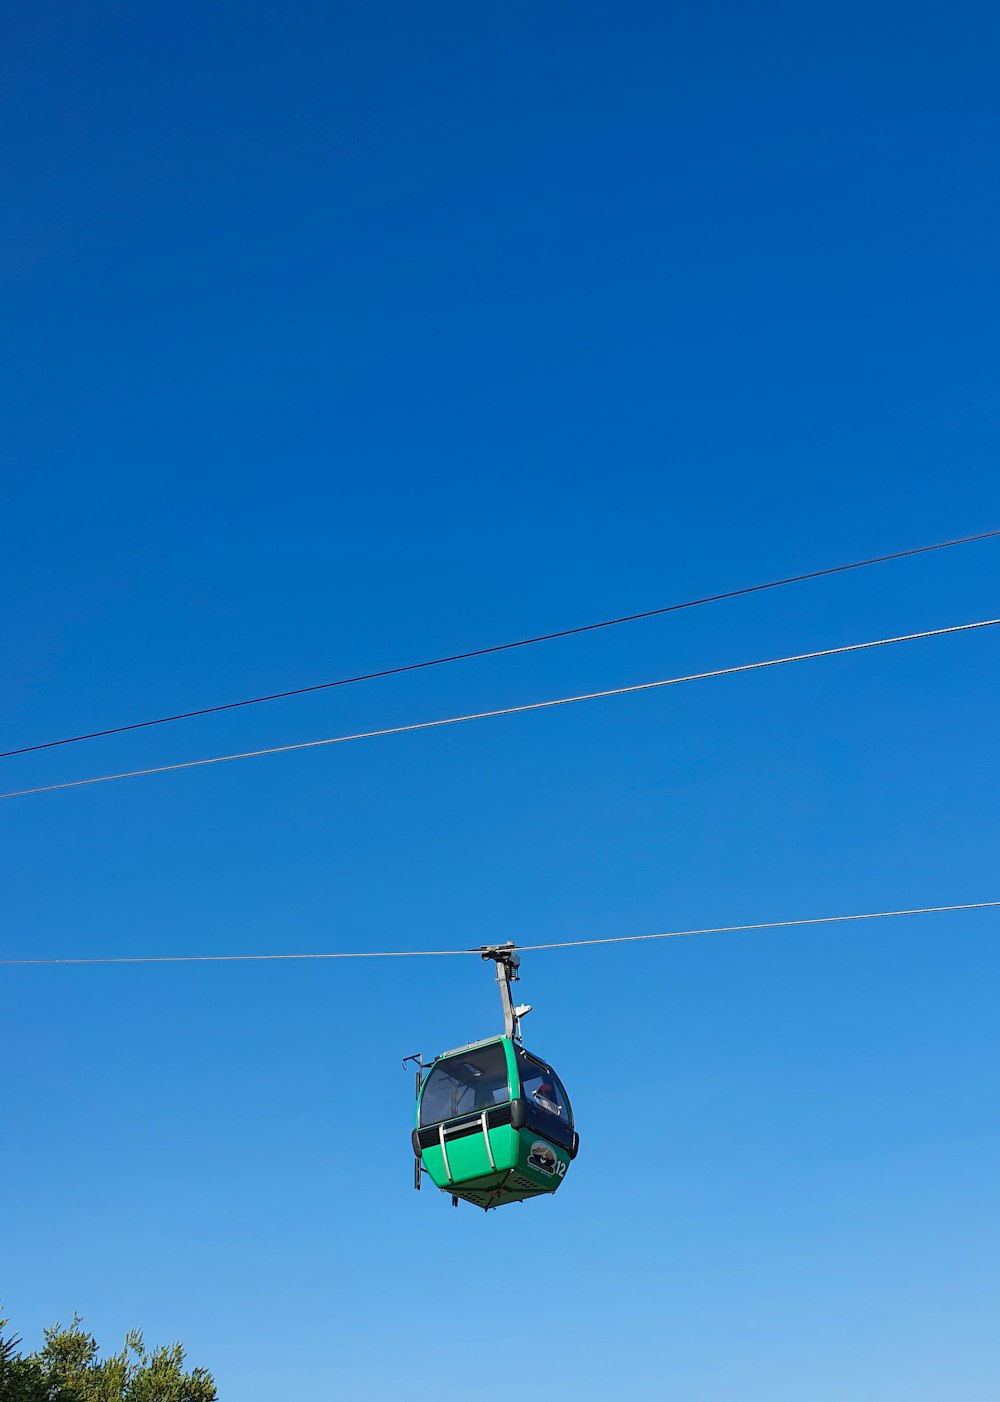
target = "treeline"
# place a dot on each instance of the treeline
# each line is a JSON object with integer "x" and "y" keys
{"x": 67, "y": 1369}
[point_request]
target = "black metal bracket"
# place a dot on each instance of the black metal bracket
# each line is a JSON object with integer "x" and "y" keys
{"x": 421, "y": 1067}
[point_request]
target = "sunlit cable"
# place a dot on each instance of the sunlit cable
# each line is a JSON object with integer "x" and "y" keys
{"x": 504, "y": 647}
{"x": 522, "y": 948}
{"x": 504, "y": 710}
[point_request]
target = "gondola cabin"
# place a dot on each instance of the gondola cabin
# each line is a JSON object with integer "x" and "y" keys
{"x": 494, "y": 1124}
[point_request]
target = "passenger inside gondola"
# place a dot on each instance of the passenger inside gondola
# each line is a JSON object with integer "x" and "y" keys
{"x": 541, "y": 1086}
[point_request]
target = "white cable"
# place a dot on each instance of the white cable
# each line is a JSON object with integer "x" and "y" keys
{"x": 522, "y": 948}
{"x": 765, "y": 925}
{"x": 506, "y": 710}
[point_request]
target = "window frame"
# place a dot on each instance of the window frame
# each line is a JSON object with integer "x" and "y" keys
{"x": 466, "y": 1053}
{"x": 551, "y": 1071}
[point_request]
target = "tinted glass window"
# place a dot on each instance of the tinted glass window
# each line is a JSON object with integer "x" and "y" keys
{"x": 542, "y": 1087}
{"x": 465, "y": 1084}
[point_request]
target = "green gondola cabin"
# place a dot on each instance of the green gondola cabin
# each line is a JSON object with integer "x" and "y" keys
{"x": 494, "y": 1123}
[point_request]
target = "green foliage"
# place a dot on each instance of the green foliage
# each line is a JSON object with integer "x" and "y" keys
{"x": 67, "y": 1369}
{"x": 20, "y": 1378}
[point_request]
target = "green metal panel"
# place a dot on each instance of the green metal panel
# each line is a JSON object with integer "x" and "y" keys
{"x": 541, "y": 1161}
{"x": 512, "y": 1080}
{"x": 468, "y": 1158}
{"x": 526, "y": 1166}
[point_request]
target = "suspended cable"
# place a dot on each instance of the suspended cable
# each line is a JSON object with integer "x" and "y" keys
{"x": 521, "y": 948}
{"x": 503, "y": 710}
{"x": 503, "y": 647}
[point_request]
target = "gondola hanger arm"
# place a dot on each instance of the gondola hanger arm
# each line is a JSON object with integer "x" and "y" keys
{"x": 508, "y": 963}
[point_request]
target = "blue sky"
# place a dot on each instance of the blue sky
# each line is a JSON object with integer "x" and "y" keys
{"x": 342, "y": 337}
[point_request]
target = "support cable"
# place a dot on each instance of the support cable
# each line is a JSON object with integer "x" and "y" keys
{"x": 505, "y": 710}
{"x": 505, "y": 647}
{"x": 521, "y": 949}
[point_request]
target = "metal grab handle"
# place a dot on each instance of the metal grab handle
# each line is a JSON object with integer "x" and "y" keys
{"x": 445, "y": 1129}
{"x": 444, "y": 1154}
{"x": 457, "y": 1126}
{"x": 489, "y": 1146}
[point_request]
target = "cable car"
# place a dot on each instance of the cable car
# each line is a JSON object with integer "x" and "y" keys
{"x": 493, "y": 1124}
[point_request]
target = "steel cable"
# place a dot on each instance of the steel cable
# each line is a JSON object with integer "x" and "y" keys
{"x": 521, "y": 949}
{"x": 505, "y": 710}
{"x": 505, "y": 647}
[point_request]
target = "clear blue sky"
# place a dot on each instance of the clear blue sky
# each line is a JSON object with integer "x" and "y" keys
{"x": 340, "y": 336}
